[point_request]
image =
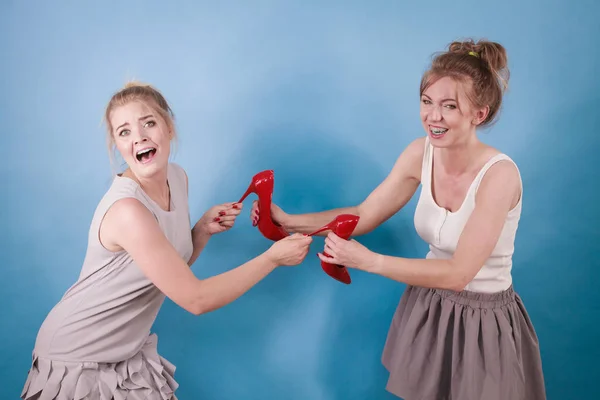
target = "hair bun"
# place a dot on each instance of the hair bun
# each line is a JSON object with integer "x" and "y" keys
{"x": 494, "y": 54}
{"x": 134, "y": 83}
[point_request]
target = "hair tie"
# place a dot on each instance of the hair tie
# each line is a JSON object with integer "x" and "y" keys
{"x": 474, "y": 54}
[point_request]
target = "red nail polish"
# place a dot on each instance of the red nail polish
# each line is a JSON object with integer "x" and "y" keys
{"x": 235, "y": 206}
{"x": 217, "y": 219}
{"x": 221, "y": 213}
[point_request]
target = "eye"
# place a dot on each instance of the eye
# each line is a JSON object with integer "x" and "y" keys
{"x": 149, "y": 124}
{"x": 450, "y": 106}
{"x": 426, "y": 101}
{"x": 124, "y": 132}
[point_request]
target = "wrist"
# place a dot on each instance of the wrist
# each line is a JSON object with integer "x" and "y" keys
{"x": 199, "y": 235}
{"x": 376, "y": 263}
{"x": 269, "y": 261}
{"x": 286, "y": 221}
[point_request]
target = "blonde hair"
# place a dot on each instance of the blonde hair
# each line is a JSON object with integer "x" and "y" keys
{"x": 483, "y": 64}
{"x": 146, "y": 94}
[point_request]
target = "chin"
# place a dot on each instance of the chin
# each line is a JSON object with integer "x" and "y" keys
{"x": 440, "y": 140}
{"x": 149, "y": 169}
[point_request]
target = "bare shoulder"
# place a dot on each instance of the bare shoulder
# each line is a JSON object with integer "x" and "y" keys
{"x": 411, "y": 159}
{"x": 128, "y": 210}
{"x": 502, "y": 180}
{"x": 127, "y": 217}
{"x": 503, "y": 172}
{"x": 416, "y": 148}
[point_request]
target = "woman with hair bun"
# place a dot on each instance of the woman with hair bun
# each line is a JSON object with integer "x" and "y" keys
{"x": 460, "y": 330}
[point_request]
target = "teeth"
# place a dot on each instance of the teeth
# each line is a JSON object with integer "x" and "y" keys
{"x": 438, "y": 131}
{"x": 144, "y": 151}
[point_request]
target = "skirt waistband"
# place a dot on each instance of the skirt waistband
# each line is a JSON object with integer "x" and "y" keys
{"x": 477, "y": 299}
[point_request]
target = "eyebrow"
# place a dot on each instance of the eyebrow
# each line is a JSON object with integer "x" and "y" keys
{"x": 443, "y": 100}
{"x": 141, "y": 119}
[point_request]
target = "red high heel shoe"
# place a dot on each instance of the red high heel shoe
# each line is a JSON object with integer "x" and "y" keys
{"x": 343, "y": 225}
{"x": 262, "y": 184}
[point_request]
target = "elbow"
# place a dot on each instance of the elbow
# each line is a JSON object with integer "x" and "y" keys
{"x": 199, "y": 307}
{"x": 364, "y": 225}
{"x": 195, "y": 309}
{"x": 199, "y": 303}
{"x": 456, "y": 285}
{"x": 456, "y": 279}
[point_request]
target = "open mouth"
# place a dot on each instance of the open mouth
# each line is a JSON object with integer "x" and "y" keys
{"x": 145, "y": 155}
{"x": 437, "y": 131}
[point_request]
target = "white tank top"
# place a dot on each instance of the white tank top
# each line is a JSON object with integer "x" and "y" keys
{"x": 442, "y": 228}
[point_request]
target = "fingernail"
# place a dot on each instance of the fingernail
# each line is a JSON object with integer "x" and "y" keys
{"x": 235, "y": 206}
{"x": 217, "y": 219}
{"x": 221, "y": 213}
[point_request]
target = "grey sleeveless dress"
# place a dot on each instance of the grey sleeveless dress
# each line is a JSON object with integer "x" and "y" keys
{"x": 96, "y": 342}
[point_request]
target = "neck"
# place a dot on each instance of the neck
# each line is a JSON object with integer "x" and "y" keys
{"x": 458, "y": 159}
{"x": 155, "y": 186}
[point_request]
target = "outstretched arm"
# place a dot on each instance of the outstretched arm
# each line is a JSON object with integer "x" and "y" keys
{"x": 386, "y": 200}
{"x": 498, "y": 192}
{"x": 130, "y": 226}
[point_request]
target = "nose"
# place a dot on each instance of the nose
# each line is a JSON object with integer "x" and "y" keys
{"x": 435, "y": 113}
{"x": 140, "y": 136}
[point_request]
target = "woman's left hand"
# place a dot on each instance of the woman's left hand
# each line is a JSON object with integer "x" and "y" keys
{"x": 348, "y": 253}
{"x": 219, "y": 218}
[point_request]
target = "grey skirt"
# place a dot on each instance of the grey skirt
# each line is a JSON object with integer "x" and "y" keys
{"x": 446, "y": 345}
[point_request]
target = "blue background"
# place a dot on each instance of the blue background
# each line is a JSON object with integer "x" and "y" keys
{"x": 326, "y": 94}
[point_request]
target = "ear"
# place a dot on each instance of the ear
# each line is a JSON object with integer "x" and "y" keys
{"x": 481, "y": 115}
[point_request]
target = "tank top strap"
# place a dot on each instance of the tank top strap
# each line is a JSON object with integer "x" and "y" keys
{"x": 427, "y": 165}
{"x": 495, "y": 159}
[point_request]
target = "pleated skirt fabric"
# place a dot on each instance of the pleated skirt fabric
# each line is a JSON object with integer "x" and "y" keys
{"x": 447, "y": 345}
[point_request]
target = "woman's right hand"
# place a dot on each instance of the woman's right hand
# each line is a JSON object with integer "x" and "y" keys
{"x": 277, "y": 214}
{"x": 291, "y": 250}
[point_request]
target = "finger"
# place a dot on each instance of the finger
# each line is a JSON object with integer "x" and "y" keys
{"x": 227, "y": 224}
{"x": 330, "y": 243}
{"x": 225, "y": 218}
{"x": 330, "y": 251}
{"x": 232, "y": 211}
{"x": 329, "y": 260}
{"x": 304, "y": 239}
{"x": 333, "y": 237}
{"x": 222, "y": 208}
{"x": 237, "y": 206}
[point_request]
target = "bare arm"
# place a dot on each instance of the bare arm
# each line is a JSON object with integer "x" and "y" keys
{"x": 130, "y": 226}
{"x": 199, "y": 240}
{"x": 386, "y": 200}
{"x": 498, "y": 193}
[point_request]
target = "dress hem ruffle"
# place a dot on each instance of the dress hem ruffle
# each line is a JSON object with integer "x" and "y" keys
{"x": 146, "y": 375}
